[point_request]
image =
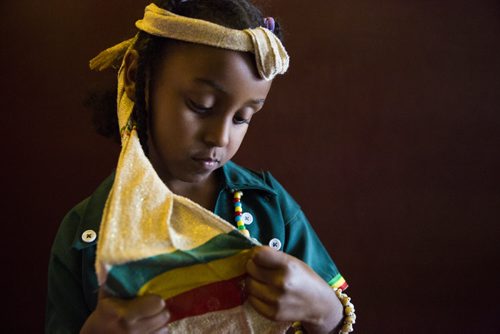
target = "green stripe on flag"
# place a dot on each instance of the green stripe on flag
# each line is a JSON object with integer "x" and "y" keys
{"x": 125, "y": 280}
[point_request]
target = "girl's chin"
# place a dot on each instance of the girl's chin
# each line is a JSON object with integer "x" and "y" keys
{"x": 185, "y": 178}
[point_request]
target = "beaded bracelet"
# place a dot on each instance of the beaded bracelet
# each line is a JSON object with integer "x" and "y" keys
{"x": 349, "y": 315}
{"x": 297, "y": 328}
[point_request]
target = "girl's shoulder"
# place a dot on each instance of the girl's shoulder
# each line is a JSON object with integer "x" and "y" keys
{"x": 80, "y": 226}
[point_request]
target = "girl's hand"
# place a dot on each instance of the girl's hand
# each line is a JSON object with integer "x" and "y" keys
{"x": 283, "y": 288}
{"x": 144, "y": 314}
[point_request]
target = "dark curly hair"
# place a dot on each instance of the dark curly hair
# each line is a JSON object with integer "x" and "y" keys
{"x": 235, "y": 14}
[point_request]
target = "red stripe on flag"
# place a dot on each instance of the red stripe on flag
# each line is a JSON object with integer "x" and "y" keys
{"x": 213, "y": 297}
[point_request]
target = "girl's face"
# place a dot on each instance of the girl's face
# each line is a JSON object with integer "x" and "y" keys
{"x": 201, "y": 100}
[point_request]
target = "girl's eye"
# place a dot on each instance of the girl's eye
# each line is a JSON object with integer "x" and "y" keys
{"x": 198, "y": 108}
{"x": 238, "y": 119}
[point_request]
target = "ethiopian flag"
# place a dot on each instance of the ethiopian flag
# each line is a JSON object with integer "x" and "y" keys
{"x": 152, "y": 241}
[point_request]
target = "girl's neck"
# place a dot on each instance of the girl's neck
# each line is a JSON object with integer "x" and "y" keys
{"x": 204, "y": 193}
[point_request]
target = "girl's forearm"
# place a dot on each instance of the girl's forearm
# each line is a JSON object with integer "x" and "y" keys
{"x": 328, "y": 317}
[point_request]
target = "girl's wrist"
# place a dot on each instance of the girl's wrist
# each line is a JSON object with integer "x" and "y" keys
{"x": 326, "y": 316}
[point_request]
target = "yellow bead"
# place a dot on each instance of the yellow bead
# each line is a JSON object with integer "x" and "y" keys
{"x": 246, "y": 233}
{"x": 345, "y": 300}
{"x": 238, "y": 209}
{"x": 347, "y": 328}
{"x": 351, "y": 319}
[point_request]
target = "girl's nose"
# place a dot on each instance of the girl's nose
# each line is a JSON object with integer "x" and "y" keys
{"x": 217, "y": 132}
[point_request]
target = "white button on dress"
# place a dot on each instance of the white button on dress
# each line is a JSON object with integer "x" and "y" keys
{"x": 247, "y": 218}
{"x": 275, "y": 243}
{"x": 89, "y": 236}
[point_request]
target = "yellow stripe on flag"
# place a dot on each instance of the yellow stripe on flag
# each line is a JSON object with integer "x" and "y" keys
{"x": 177, "y": 281}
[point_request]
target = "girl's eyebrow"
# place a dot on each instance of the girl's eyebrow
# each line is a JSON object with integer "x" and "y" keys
{"x": 257, "y": 101}
{"x": 222, "y": 90}
{"x": 212, "y": 84}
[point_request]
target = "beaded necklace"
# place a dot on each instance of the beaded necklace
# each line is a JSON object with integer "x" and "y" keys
{"x": 238, "y": 211}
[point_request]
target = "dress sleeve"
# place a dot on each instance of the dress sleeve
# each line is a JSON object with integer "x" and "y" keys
{"x": 303, "y": 242}
{"x": 66, "y": 309}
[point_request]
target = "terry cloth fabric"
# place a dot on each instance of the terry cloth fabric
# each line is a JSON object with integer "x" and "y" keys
{"x": 154, "y": 241}
{"x": 270, "y": 55}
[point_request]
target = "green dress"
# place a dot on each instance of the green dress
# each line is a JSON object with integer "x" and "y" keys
{"x": 270, "y": 214}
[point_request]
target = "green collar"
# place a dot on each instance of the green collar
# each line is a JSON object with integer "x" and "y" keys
{"x": 240, "y": 178}
{"x": 235, "y": 178}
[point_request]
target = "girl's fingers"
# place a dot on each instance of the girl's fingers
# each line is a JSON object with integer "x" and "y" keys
{"x": 163, "y": 330}
{"x": 102, "y": 293}
{"x": 143, "y": 307}
{"x": 263, "y": 308}
{"x": 155, "y": 324}
{"x": 272, "y": 311}
{"x": 145, "y": 314}
{"x": 263, "y": 274}
{"x": 265, "y": 293}
{"x": 270, "y": 258}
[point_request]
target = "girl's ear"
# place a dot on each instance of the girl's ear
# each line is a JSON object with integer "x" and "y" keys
{"x": 131, "y": 60}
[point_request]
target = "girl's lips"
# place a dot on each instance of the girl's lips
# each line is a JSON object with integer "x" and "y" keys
{"x": 207, "y": 163}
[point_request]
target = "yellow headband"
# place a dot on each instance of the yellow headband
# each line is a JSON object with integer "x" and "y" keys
{"x": 270, "y": 55}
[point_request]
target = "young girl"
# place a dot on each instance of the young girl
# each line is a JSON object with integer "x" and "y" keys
{"x": 191, "y": 88}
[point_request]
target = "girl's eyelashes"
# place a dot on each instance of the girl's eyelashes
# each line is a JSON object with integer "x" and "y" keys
{"x": 238, "y": 119}
{"x": 203, "y": 110}
{"x": 196, "y": 107}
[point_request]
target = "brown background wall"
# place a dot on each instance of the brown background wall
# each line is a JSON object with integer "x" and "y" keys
{"x": 386, "y": 130}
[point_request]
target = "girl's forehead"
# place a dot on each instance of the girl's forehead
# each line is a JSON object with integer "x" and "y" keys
{"x": 190, "y": 63}
{"x": 202, "y": 58}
